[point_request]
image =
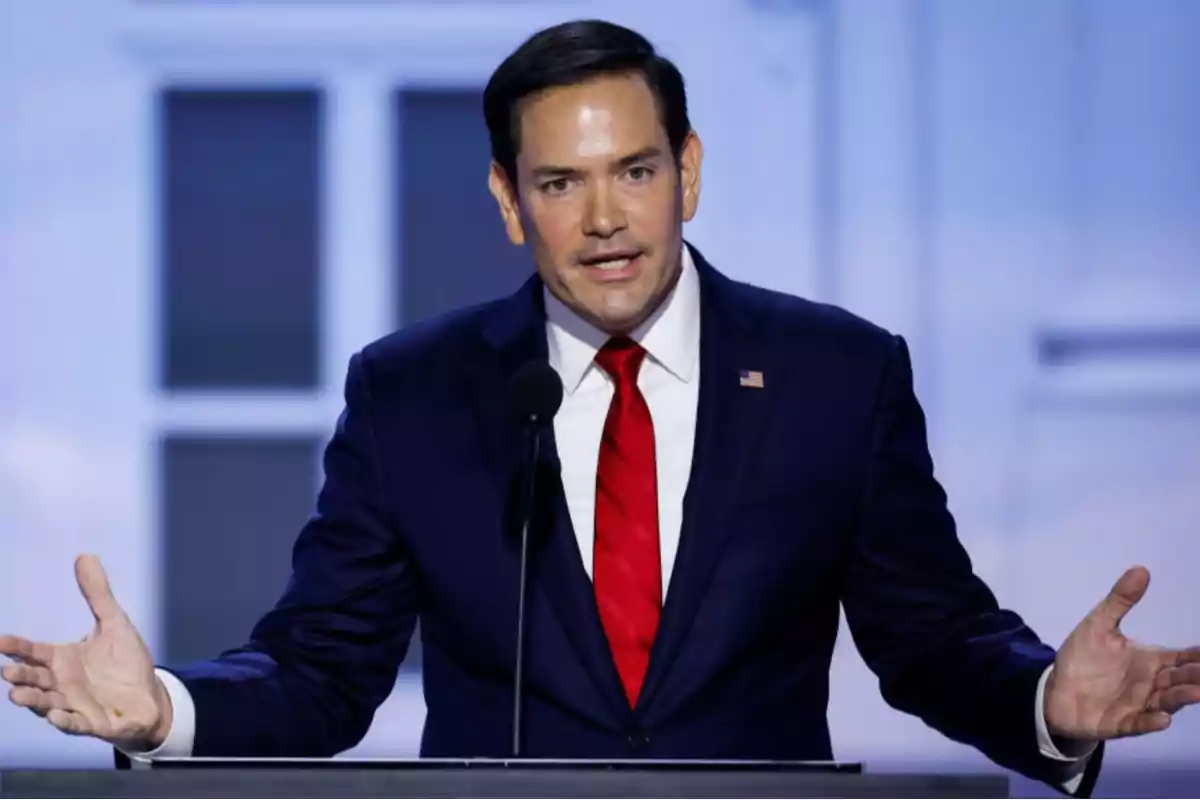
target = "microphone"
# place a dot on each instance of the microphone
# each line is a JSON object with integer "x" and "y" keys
{"x": 535, "y": 394}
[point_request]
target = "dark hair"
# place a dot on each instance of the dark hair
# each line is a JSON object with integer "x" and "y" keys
{"x": 572, "y": 53}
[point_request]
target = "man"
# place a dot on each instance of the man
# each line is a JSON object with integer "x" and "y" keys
{"x": 728, "y": 466}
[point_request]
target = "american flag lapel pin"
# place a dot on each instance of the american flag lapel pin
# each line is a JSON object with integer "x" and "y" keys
{"x": 750, "y": 378}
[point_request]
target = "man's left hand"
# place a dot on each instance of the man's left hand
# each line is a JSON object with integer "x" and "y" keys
{"x": 1105, "y": 685}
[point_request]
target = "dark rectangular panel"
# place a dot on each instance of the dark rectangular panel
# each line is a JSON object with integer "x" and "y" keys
{"x": 232, "y": 508}
{"x": 240, "y": 187}
{"x": 452, "y": 251}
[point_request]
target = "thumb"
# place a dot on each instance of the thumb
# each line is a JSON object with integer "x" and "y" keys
{"x": 1125, "y": 594}
{"x": 93, "y": 583}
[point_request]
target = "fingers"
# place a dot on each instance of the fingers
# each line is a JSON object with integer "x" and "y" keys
{"x": 37, "y": 700}
{"x": 24, "y": 650}
{"x": 1175, "y": 698}
{"x": 1178, "y": 676}
{"x": 1146, "y": 722}
{"x": 1125, "y": 594}
{"x": 1188, "y": 656}
{"x": 54, "y": 707}
{"x": 93, "y": 582}
{"x": 69, "y": 722}
{"x": 24, "y": 675}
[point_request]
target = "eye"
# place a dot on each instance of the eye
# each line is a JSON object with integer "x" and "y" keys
{"x": 556, "y": 186}
{"x": 640, "y": 174}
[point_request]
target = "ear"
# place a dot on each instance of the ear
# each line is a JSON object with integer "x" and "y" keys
{"x": 689, "y": 168}
{"x": 506, "y": 199}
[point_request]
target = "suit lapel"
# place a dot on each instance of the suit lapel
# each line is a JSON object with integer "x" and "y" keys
{"x": 572, "y": 596}
{"x": 514, "y": 336}
{"x": 729, "y": 421}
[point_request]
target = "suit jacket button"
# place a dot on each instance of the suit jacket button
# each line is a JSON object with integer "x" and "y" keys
{"x": 638, "y": 741}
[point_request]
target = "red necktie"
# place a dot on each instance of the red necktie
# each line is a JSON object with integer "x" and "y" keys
{"x": 627, "y": 572}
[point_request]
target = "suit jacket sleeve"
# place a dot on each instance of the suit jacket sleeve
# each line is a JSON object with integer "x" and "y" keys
{"x": 926, "y": 625}
{"x": 317, "y": 665}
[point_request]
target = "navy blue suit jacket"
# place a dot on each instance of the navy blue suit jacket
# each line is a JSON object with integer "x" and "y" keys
{"x": 813, "y": 492}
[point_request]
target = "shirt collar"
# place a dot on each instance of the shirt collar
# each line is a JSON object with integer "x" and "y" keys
{"x": 670, "y": 335}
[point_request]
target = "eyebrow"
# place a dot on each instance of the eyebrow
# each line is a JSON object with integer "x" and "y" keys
{"x": 552, "y": 171}
{"x": 645, "y": 154}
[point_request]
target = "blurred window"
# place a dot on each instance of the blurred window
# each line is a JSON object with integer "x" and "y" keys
{"x": 451, "y": 250}
{"x": 240, "y": 185}
{"x": 233, "y": 505}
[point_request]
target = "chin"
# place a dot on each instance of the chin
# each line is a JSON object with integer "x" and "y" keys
{"x": 620, "y": 323}
{"x": 611, "y": 309}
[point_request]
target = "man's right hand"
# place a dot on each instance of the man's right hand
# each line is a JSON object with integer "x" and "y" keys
{"x": 103, "y": 685}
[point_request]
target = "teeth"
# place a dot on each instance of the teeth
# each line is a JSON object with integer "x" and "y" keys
{"x": 619, "y": 263}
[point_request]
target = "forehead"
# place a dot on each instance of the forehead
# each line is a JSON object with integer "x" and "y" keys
{"x": 618, "y": 112}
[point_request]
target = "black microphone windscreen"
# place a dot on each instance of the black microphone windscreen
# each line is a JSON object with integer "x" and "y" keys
{"x": 535, "y": 392}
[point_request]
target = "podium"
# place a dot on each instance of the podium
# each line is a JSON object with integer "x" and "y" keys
{"x": 490, "y": 778}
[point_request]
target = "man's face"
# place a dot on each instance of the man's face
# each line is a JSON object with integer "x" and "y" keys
{"x": 600, "y": 198}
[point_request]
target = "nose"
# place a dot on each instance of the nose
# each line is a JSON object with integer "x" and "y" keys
{"x": 604, "y": 215}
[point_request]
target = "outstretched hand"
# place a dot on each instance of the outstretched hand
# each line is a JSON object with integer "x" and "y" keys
{"x": 103, "y": 685}
{"x": 1106, "y": 686}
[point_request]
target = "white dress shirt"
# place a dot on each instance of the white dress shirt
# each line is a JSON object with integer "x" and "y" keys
{"x": 669, "y": 379}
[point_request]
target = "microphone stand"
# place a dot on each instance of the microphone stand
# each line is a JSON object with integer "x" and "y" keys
{"x": 533, "y": 439}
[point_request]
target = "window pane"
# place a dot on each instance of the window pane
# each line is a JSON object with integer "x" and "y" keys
{"x": 452, "y": 248}
{"x": 232, "y": 508}
{"x": 240, "y": 189}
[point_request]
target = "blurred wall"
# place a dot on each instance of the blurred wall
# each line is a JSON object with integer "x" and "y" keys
{"x": 206, "y": 207}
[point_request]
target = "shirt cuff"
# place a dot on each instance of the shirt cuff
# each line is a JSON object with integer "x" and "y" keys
{"x": 182, "y": 735}
{"x": 1075, "y": 755}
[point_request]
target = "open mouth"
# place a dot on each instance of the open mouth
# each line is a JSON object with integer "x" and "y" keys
{"x": 614, "y": 264}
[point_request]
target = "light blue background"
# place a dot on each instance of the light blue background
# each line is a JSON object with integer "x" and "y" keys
{"x": 986, "y": 177}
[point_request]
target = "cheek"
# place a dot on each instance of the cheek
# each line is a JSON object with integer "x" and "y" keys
{"x": 555, "y": 240}
{"x": 554, "y": 227}
{"x": 653, "y": 210}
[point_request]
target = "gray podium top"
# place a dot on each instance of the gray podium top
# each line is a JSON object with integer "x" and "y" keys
{"x": 485, "y": 778}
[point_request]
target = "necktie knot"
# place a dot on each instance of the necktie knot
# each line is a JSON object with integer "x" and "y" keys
{"x": 621, "y": 358}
